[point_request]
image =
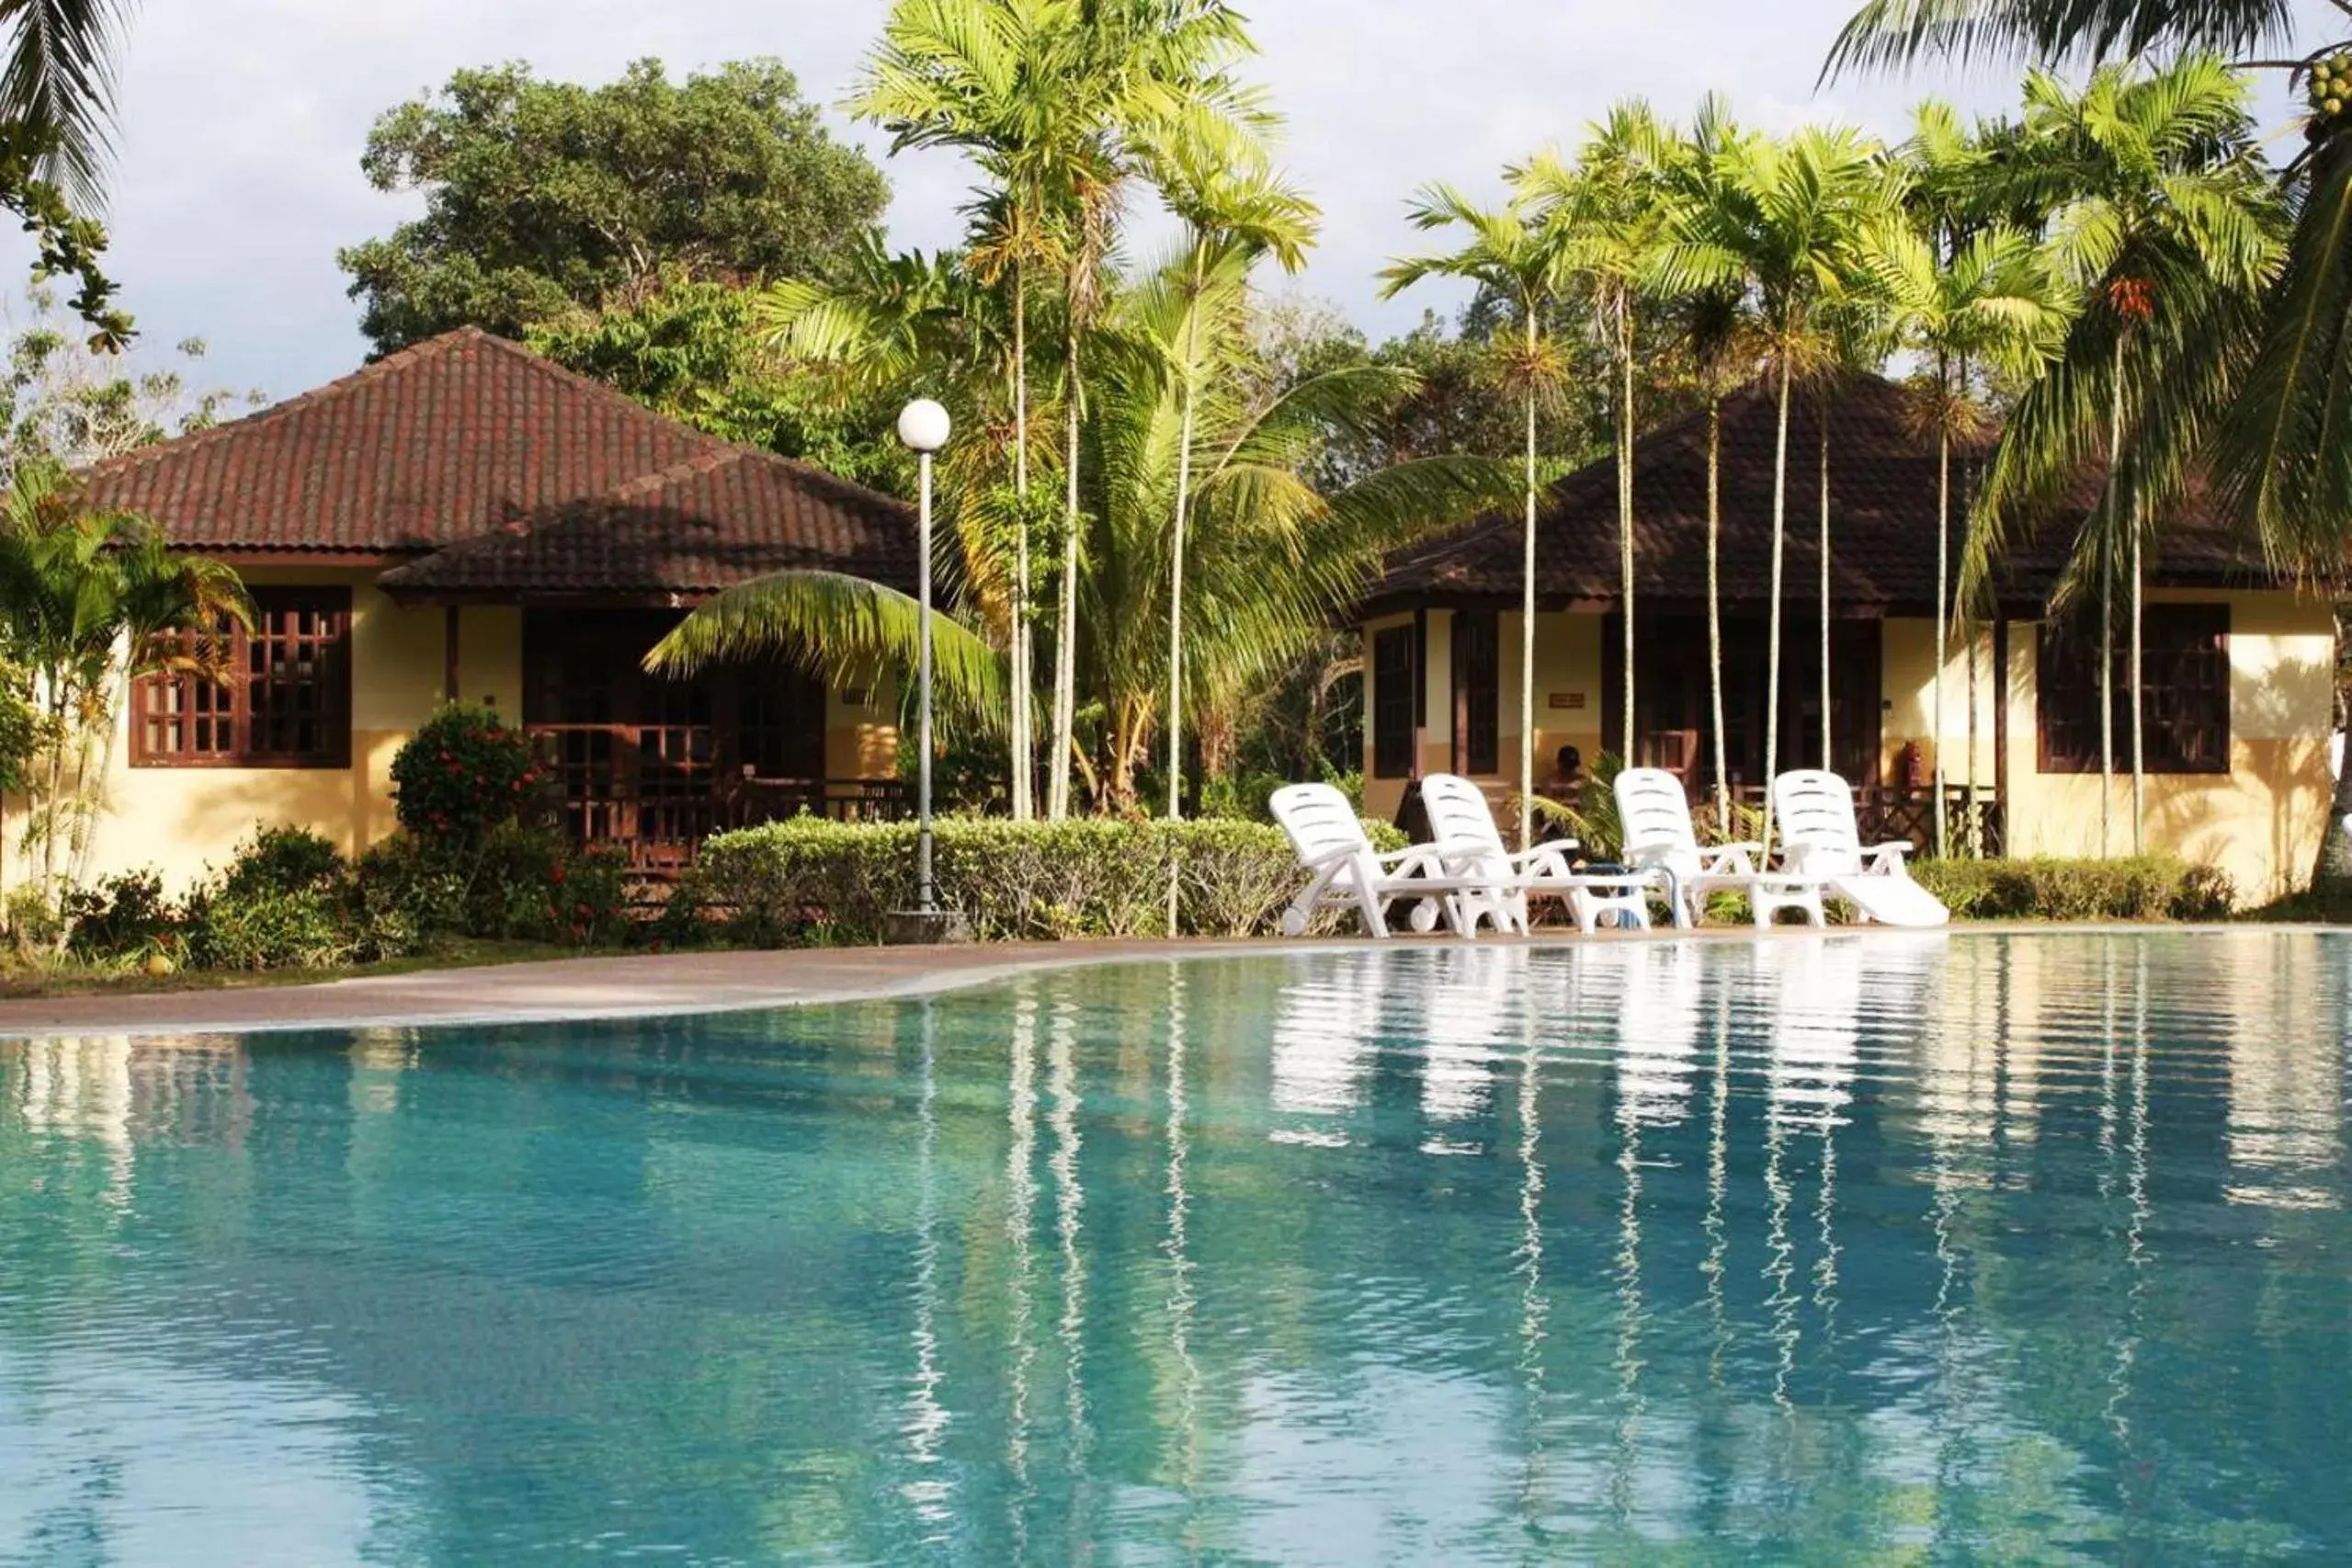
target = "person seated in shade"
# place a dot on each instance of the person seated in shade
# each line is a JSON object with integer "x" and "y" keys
{"x": 1565, "y": 785}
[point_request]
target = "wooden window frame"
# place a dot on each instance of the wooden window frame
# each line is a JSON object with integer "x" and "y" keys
{"x": 2173, "y": 636}
{"x": 1392, "y": 714}
{"x": 331, "y": 645}
{"x": 1478, "y": 692}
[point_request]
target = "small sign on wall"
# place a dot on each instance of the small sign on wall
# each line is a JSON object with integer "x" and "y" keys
{"x": 1568, "y": 700}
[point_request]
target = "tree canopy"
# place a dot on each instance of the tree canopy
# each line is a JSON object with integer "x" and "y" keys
{"x": 547, "y": 196}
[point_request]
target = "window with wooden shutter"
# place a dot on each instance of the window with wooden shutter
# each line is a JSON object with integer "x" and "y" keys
{"x": 2184, "y": 696}
{"x": 1478, "y": 680}
{"x": 1393, "y": 702}
{"x": 277, "y": 696}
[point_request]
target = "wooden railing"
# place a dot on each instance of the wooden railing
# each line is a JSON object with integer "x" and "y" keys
{"x": 1973, "y": 821}
{"x": 657, "y": 792}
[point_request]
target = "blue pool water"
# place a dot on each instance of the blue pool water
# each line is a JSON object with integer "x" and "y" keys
{"x": 1859, "y": 1248}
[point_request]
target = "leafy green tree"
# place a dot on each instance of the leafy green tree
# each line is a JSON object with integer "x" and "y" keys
{"x": 87, "y": 599}
{"x": 693, "y": 350}
{"x": 543, "y": 196}
{"x": 62, "y": 400}
{"x": 56, "y": 112}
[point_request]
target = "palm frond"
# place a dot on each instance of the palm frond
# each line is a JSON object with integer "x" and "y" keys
{"x": 843, "y": 627}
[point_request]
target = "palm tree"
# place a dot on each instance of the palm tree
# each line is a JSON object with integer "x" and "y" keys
{"x": 2166, "y": 230}
{"x": 58, "y": 83}
{"x": 1957, "y": 301}
{"x": 1272, "y": 557}
{"x": 1613, "y": 214}
{"x": 979, "y": 77}
{"x": 1786, "y": 220}
{"x": 1514, "y": 254}
{"x": 88, "y": 602}
{"x": 2278, "y": 446}
{"x": 1717, "y": 329}
{"x": 1234, "y": 209}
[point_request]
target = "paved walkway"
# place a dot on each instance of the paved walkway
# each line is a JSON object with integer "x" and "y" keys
{"x": 709, "y": 982}
{"x": 571, "y": 988}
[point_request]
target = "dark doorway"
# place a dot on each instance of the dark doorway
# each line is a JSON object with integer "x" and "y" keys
{"x": 1672, "y": 726}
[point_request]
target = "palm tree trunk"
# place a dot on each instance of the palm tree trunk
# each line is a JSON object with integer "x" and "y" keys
{"x": 1943, "y": 626}
{"x": 1715, "y": 612}
{"x": 2139, "y": 753}
{"x": 1625, "y": 507}
{"x": 1527, "y": 626}
{"x": 1828, "y": 736}
{"x": 2107, "y": 608}
{"x": 1023, "y": 781}
{"x": 1065, "y": 636}
{"x": 1772, "y": 635}
{"x": 92, "y": 790}
{"x": 1176, "y": 561}
{"x": 2332, "y": 869}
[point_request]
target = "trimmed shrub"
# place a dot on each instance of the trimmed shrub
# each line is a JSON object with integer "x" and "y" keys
{"x": 810, "y": 880}
{"x": 462, "y": 775}
{"x": 273, "y": 928}
{"x": 122, "y": 916}
{"x": 2151, "y": 887}
{"x": 283, "y": 859}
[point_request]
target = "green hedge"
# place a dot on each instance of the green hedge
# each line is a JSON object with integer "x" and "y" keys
{"x": 817, "y": 881}
{"x": 2147, "y": 887}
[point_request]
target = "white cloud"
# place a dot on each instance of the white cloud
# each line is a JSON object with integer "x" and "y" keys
{"x": 244, "y": 120}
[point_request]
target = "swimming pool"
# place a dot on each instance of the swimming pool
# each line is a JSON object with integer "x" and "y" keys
{"x": 2007, "y": 1247}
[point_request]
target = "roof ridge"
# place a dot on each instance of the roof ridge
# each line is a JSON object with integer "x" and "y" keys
{"x": 426, "y": 350}
{"x": 371, "y": 371}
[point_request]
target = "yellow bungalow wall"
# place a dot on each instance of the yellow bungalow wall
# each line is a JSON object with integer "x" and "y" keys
{"x": 2261, "y": 823}
{"x": 181, "y": 821}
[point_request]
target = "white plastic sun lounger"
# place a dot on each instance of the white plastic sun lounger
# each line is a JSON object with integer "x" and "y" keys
{"x": 1459, "y": 815}
{"x": 1346, "y": 869}
{"x": 1655, "y": 812}
{"x": 1815, "y": 813}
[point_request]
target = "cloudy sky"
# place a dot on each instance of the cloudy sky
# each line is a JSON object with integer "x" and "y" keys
{"x": 243, "y": 121}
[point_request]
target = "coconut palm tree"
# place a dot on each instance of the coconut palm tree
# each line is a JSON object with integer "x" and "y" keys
{"x": 1986, "y": 298}
{"x": 1785, "y": 221}
{"x": 1234, "y": 209}
{"x": 1515, "y": 254}
{"x": 88, "y": 602}
{"x": 2277, "y": 455}
{"x": 2167, "y": 229}
{"x": 1612, "y": 213}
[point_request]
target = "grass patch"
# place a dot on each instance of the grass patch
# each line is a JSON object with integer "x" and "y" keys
{"x": 21, "y": 981}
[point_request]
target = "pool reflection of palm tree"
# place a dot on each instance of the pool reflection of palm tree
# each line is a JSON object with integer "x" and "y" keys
{"x": 1178, "y": 1248}
{"x": 927, "y": 1415}
{"x": 1020, "y": 1219}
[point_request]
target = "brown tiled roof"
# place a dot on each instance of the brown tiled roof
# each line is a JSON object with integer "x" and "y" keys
{"x": 440, "y": 442}
{"x": 500, "y": 473}
{"x": 715, "y": 519}
{"x": 1883, "y": 477}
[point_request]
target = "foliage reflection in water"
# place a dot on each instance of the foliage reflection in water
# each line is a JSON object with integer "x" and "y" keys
{"x": 1866, "y": 1246}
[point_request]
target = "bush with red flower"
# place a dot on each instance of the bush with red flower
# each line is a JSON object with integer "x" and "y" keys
{"x": 465, "y": 774}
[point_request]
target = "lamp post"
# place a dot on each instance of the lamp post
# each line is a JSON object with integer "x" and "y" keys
{"x": 923, "y": 425}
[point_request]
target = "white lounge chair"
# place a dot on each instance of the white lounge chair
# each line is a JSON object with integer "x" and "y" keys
{"x": 1345, "y": 869}
{"x": 1459, "y": 815}
{"x": 1655, "y": 814}
{"x": 1819, "y": 838}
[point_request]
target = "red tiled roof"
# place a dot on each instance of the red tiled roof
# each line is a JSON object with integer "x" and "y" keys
{"x": 1883, "y": 477}
{"x": 715, "y": 519}
{"x": 452, "y": 438}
